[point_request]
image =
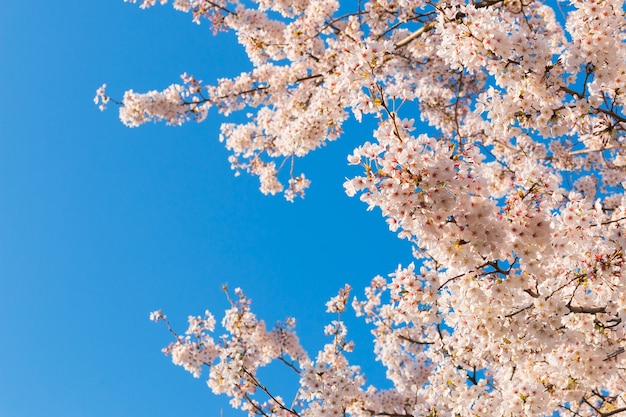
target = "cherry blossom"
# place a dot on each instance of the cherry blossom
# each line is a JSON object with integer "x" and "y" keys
{"x": 498, "y": 152}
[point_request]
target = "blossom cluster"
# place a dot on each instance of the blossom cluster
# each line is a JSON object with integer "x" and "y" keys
{"x": 499, "y": 152}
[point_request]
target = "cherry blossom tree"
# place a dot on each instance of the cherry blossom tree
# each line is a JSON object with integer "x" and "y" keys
{"x": 516, "y": 301}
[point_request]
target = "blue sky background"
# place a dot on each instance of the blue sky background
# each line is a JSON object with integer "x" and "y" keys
{"x": 101, "y": 224}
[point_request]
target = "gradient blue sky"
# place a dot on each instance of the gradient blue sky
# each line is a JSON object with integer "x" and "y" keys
{"x": 101, "y": 224}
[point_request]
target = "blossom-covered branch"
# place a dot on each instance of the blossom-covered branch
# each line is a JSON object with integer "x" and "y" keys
{"x": 499, "y": 151}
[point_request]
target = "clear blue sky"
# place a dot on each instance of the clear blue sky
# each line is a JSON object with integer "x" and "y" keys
{"x": 101, "y": 224}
